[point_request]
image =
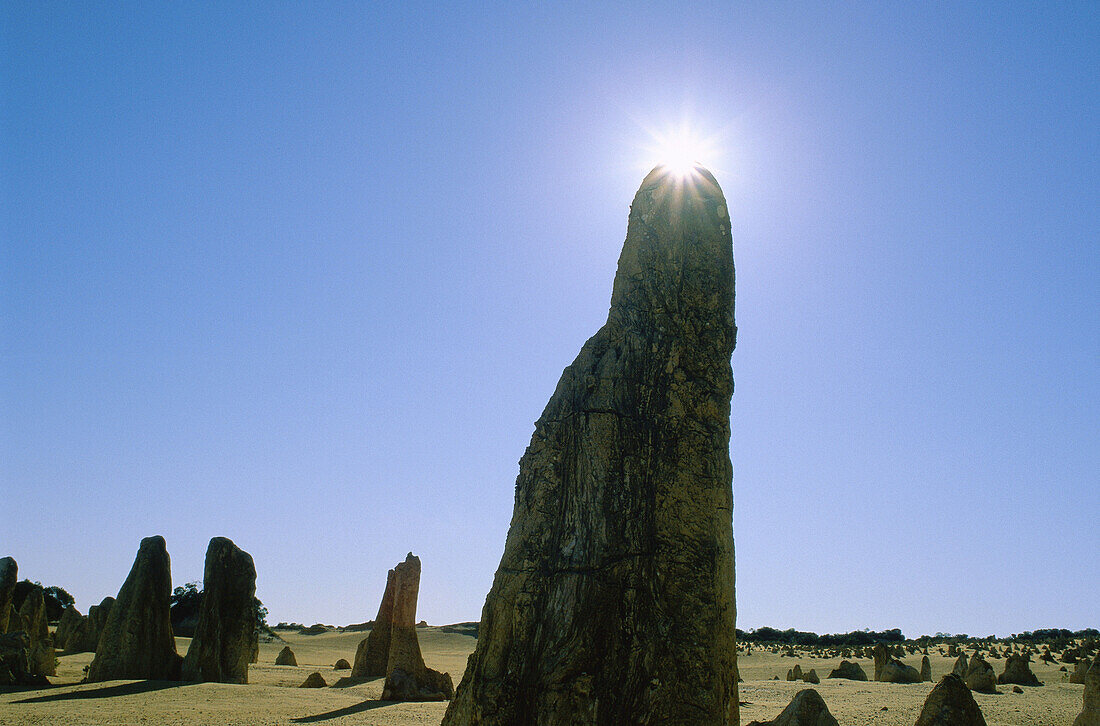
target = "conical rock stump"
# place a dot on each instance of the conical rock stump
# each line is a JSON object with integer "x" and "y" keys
{"x": 614, "y": 599}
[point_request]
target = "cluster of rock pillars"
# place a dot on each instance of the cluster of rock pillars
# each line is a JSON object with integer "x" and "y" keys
{"x": 614, "y": 599}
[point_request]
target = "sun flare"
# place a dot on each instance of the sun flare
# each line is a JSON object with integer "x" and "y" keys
{"x": 680, "y": 150}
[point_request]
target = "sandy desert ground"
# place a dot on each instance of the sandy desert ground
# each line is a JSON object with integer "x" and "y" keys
{"x": 272, "y": 695}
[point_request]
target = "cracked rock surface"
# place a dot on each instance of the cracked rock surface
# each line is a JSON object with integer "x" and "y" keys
{"x": 614, "y": 599}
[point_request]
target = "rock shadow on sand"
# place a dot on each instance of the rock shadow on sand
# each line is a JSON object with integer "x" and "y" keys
{"x": 346, "y": 711}
{"x": 121, "y": 689}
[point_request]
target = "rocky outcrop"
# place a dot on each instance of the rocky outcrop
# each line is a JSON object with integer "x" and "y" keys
{"x": 811, "y": 676}
{"x": 68, "y": 627}
{"x": 806, "y": 709}
{"x": 950, "y": 704}
{"x": 137, "y": 639}
{"x": 925, "y": 670}
{"x": 1080, "y": 671}
{"x": 395, "y": 635}
{"x": 373, "y": 654}
{"x": 225, "y": 636}
{"x": 851, "y": 671}
{"x": 962, "y": 664}
{"x": 795, "y": 674}
{"x": 314, "y": 680}
{"x": 342, "y": 665}
{"x": 95, "y": 622}
{"x": 1018, "y": 671}
{"x": 1090, "y": 712}
{"x": 614, "y": 599}
{"x": 894, "y": 671}
{"x": 980, "y": 676}
{"x": 15, "y": 668}
{"x": 286, "y": 657}
{"x": 40, "y": 651}
{"x": 9, "y": 575}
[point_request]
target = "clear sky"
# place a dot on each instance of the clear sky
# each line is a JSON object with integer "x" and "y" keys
{"x": 304, "y": 275}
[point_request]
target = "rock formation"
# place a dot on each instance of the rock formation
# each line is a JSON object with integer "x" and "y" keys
{"x": 1080, "y": 671}
{"x": 15, "y": 668}
{"x": 373, "y": 654}
{"x": 614, "y": 599}
{"x": 925, "y": 670}
{"x": 810, "y": 676}
{"x": 806, "y": 709}
{"x": 894, "y": 671}
{"x": 40, "y": 651}
{"x": 96, "y": 621}
{"x": 68, "y": 627}
{"x": 137, "y": 638}
{"x": 225, "y": 636}
{"x": 342, "y": 665}
{"x": 950, "y": 704}
{"x": 1018, "y": 670}
{"x": 851, "y": 671}
{"x": 1090, "y": 712}
{"x": 394, "y": 636}
{"x": 795, "y": 674}
{"x": 314, "y": 680}
{"x": 9, "y": 575}
{"x": 980, "y": 676}
{"x": 961, "y": 665}
{"x": 286, "y": 657}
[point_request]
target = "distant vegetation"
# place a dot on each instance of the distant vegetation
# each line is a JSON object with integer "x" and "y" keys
{"x": 894, "y": 635}
{"x": 798, "y": 637}
{"x": 57, "y": 599}
{"x": 186, "y": 603}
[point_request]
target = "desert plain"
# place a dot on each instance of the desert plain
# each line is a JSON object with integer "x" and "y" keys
{"x": 273, "y": 696}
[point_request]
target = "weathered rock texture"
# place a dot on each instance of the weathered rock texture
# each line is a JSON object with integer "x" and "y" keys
{"x": 71, "y": 621}
{"x": 137, "y": 639}
{"x": 806, "y": 709}
{"x": 96, "y": 622}
{"x": 9, "y": 575}
{"x": 614, "y": 599}
{"x": 1090, "y": 712}
{"x": 314, "y": 680}
{"x": 15, "y": 668}
{"x": 891, "y": 670}
{"x": 1018, "y": 670}
{"x": 962, "y": 664}
{"x": 373, "y": 654}
{"x": 980, "y": 676}
{"x": 925, "y": 670}
{"x": 286, "y": 657}
{"x": 225, "y": 636}
{"x": 848, "y": 669}
{"x": 950, "y": 704}
{"x": 40, "y": 651}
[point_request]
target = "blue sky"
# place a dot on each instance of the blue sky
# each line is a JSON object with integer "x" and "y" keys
{"x": 304, "y": 276}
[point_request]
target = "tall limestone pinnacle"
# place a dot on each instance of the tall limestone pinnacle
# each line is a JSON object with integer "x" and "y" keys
{"x": 614, "y": 599}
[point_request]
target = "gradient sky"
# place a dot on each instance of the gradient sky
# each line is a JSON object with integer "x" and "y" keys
{"x": 303, "y": 275}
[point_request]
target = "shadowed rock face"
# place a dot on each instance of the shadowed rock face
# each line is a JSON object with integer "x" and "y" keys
{"x": 925, "y": 670}
{"x": 373, "y": 654}
{"x": 950, "y": 704}
{"x": 225, "y": 636}
{"x": 286, "y": 657}
{"x": 68, "y": 627}
{"x": 1090, "y": 712}
{"x": 1018, "y": 670}
{"x": 96, "y": 622}
{"x": 9, "y": 575}
{"x": 40, "y": 653}
{"x": 614, "y": 599}
{"x": 848, "y": 669}
{"x": 807, "y": 708}
{"x": 980, "y": 676}
{"x": 137, "y": 639}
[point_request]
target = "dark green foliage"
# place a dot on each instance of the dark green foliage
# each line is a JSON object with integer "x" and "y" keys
{"x": 186, "y": 603}
{"x": 57, "y": 599}
{"x": 797, "y": 637}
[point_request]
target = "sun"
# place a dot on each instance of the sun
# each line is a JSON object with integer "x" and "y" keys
{"x": 681, "y": 150}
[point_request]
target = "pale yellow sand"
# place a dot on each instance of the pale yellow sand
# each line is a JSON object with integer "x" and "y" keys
{"x": 272, "y": 696}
